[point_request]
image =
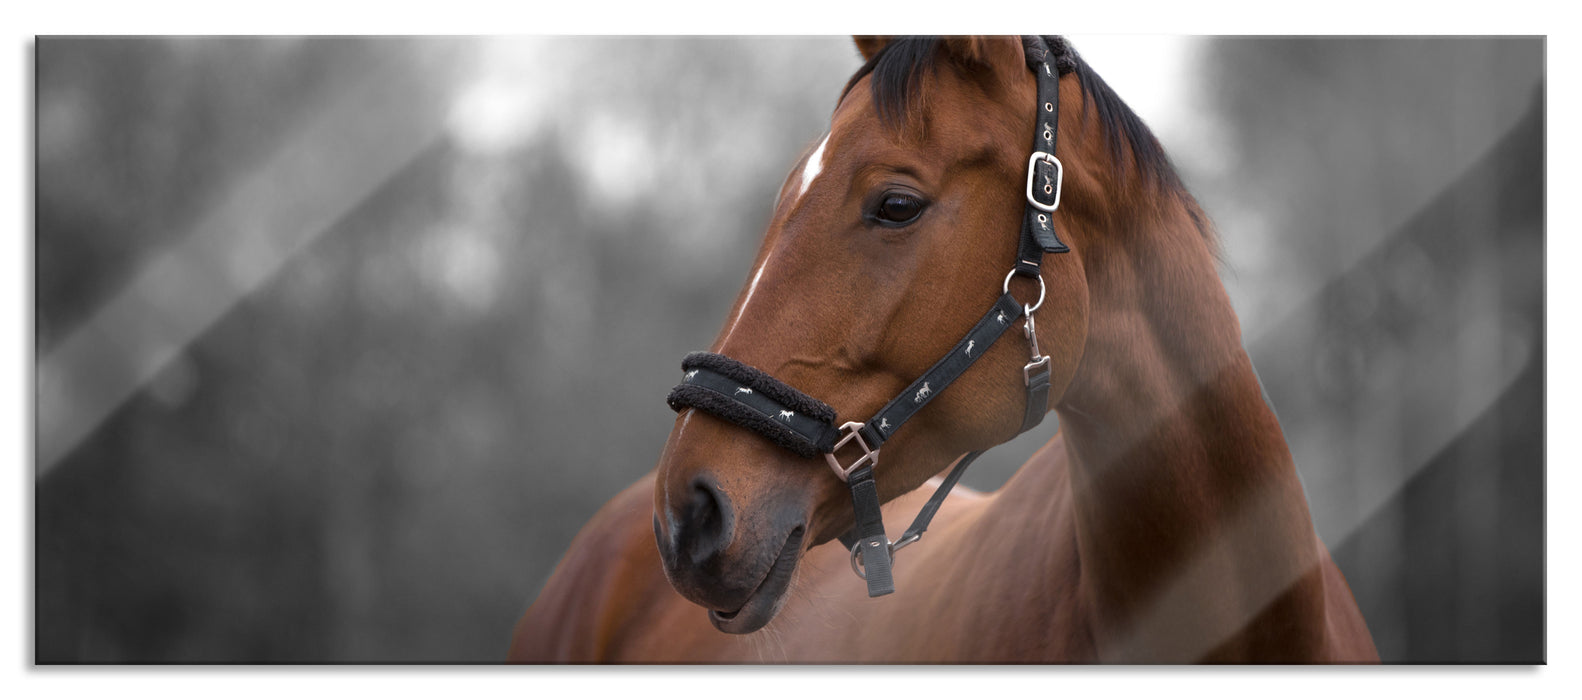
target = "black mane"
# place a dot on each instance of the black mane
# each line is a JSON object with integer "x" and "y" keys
{"x": 898, "y": 71}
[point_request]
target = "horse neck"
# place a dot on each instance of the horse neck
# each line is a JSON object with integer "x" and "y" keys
{"x": 1185, "y": 495}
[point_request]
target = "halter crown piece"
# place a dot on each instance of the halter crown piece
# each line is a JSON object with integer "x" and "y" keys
{"x": 756, "y": 401}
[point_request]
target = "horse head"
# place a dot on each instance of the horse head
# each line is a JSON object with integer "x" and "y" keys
{"x": 887, "y": 243}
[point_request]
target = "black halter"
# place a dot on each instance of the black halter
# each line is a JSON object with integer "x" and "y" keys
{"x": 752, "y": 399}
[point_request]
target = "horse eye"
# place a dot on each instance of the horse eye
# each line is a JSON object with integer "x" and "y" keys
{"x": 897, "y": 209}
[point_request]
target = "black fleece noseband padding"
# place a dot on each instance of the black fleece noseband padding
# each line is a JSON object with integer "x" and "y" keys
{"x": 759, "y": 380}
{"x": 746, "y": 396}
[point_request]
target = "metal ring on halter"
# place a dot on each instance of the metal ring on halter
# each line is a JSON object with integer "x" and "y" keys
{"x": 894, "y": 547}
{"x": 1006, "y": 289}
{"x": 856, "y": 554}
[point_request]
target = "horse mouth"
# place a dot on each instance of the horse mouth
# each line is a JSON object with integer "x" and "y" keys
{"x": 765, "y": 600}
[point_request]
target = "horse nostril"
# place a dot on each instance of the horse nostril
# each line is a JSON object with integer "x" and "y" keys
{"x": 707, "y": 526}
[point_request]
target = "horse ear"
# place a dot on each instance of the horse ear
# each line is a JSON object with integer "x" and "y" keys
{"x": 968, "y": 49}
{"x": 985, "y": 50}
{"x": 994, "y": 61}
{"x": 868, "y": 46}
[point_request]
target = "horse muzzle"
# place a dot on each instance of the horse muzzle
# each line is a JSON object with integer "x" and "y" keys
{"x": 741, "y": 583}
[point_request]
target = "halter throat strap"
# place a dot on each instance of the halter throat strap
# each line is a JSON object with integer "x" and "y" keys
{"x": 755, "y": 400}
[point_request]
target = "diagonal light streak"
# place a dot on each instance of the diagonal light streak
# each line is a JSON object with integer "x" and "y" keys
{"x": 1432, "y": 372}
{"x": 341, "y": 155}
{"x": 1207, "y": 567}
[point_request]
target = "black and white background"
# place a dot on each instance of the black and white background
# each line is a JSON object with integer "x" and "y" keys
{"x": 320, "y": 323}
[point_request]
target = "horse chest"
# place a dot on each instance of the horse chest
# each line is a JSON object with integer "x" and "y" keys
{"x": 988, "y": 600}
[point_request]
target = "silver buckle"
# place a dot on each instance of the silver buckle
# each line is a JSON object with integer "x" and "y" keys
{"x": 1050, "y": 188}
{"x": 869, "y": 455}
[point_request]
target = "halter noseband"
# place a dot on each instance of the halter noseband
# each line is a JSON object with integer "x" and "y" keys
{"x": 752, "y": 399}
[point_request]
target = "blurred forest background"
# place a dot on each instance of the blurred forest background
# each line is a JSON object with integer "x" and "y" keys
{"x": 322, "y": 324}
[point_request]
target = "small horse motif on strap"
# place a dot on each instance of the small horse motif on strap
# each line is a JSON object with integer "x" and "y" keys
{"x": 922, "y": 393}
{"x": 970, "y": 343}
{"x": 786, "y": 416}
{"x": 743, "y": 390}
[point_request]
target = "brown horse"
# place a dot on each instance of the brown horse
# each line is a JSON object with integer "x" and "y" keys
{"x": 1164, "y": 523}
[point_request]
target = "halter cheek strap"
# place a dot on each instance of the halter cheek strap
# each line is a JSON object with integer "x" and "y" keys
{"x": 756, "y": 401}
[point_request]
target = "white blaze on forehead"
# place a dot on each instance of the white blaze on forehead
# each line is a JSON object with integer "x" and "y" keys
{"x": 815, "y": 163}
{"x": 810, "y": 170}
{"x": 751, "y": 287}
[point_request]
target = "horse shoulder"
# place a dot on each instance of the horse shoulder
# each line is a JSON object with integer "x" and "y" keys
{"x": 606, "y": 572}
